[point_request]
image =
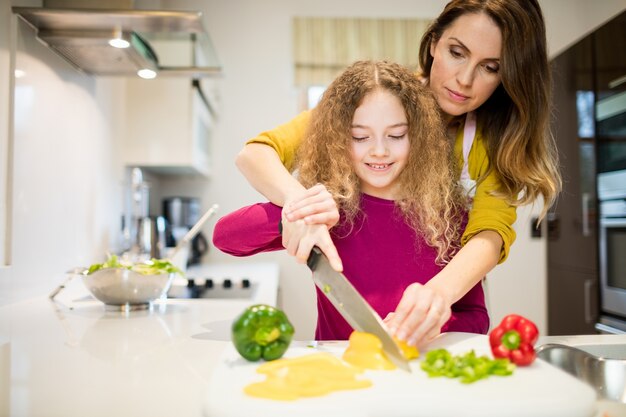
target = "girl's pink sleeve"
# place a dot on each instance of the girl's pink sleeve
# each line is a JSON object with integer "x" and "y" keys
{"x": 249, "y": 230}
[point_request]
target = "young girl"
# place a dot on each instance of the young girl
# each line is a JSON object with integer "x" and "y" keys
{"x": 486, "y": 64}
{"x": 375, "y": 141}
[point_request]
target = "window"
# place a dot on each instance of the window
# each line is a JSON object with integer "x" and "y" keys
{"x": 323, "y": 47}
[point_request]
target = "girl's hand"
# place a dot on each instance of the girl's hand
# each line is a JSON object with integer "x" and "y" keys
{"x": 315, "y": 206}
{"x": 300, "y": 237}
{"x": 420, "y": 315}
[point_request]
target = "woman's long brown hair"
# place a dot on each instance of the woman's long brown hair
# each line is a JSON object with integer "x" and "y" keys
{"x": 515, "y": 120}
{"x": 430, "y": 200}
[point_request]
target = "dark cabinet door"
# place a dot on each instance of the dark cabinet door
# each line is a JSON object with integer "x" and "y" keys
{"x": 572, "y": 231}
{"x": 575, "y": 306}
{"x": 610, "y": 83}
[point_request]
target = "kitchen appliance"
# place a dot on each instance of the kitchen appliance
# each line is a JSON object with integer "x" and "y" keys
{"x": 612, "y": 244}
{"x": 150, "y": 238}
{"x": 255, "y": 282}
{"x": 181, "y": 213}
{"x": 539, "y": 390}
{"x": 105, "y": 38}
{"x": 349, "y": 303}
{"x": 195, "y": 229}
{"x": 241, "y": 288}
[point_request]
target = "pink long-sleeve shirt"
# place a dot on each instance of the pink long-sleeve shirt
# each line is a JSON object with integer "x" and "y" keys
{"x": 381, "y": 256}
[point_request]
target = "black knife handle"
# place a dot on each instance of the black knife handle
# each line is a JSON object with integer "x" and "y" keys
{"x": 314, "y": 257}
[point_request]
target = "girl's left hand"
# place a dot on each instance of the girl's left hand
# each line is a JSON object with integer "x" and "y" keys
{"x": 420, "y": 315}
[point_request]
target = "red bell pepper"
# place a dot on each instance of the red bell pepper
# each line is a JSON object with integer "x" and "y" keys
{"x": 514, "y": 338}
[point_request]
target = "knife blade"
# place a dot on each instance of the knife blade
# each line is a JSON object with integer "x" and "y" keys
{"x": 351, "y": 305}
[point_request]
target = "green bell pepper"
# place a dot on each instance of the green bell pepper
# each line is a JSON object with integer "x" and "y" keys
{"x": 262, "y": 331}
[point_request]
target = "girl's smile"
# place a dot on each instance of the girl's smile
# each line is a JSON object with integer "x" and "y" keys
{"x": 379, "y": 167}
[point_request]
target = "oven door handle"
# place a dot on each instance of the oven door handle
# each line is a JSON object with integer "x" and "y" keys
{"x": 586, "y": 231}
{"x": 587, "y": 288}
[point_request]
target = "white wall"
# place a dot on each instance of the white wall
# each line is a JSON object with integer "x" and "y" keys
{"x": 66, "y": 180}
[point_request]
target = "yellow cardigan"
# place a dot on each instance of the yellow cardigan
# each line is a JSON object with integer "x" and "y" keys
{"x": 487, "y": 213}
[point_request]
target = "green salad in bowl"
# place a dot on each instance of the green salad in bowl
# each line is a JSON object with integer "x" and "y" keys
{"x": 151, "y": 267}
{"x": 117, "y": 282}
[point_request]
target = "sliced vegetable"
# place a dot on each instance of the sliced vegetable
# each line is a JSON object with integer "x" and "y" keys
{"x": 151, "y": 267}
{"x": 365, "y": 351}
{"x": 311, "y": 375}
{"x": 156, "y": 266}
{"x": 262, "y": 332}
{"x": 514, "y": 338}
{"x": 111, "y": 262}
{"x": 409, "y": 352}
{"x": 468, "y": 367}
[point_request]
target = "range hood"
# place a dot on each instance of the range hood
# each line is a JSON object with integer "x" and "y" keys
{"x": 172, "y": 43}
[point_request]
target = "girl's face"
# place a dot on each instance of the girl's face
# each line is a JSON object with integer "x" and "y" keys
{"x": 466, "y": 63}
{"x": 380, "y": 143}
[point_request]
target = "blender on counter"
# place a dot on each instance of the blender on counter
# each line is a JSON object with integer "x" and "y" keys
{"x": 181, "y": 214}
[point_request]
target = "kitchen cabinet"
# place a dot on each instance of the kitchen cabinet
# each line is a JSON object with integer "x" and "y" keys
{"x": 572, "y": 233}
{"x": 169, "y": 127}
{"x": 589, "y": 128}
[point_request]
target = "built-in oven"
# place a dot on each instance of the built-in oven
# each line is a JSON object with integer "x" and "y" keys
{"x": 612, "y": 251}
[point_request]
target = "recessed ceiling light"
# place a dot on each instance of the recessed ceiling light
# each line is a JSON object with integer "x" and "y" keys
{"x": 146, "y": 73}
{"x": 119, "y": 43}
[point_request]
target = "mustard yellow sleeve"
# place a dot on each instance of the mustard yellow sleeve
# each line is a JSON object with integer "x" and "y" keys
{"x": 488, "y": 212}
{"x": 285, "y": 138}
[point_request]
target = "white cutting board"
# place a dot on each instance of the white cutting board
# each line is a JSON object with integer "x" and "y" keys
{"x": 539, "y": 390}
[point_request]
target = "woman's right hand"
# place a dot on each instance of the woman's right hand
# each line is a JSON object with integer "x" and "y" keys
{"x": 299, "y": 239}
{"x": 314, "y": 206}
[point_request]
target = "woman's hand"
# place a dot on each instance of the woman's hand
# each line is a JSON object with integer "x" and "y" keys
{"x": 420, "y": 315}
{"x": 307, "y": 218}
{"x": 315, "y": 206}
{"x": 300, "y": 237}
{"x": 424, "y": 309}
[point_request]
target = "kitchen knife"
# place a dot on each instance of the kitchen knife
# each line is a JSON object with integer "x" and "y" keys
{"x": 347, "y": 300}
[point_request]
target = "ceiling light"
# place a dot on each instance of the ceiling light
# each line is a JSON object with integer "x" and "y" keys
{"x": 119, "y": 43}
{"x": 146, "y": 73}
{"x": 117, "y": 40}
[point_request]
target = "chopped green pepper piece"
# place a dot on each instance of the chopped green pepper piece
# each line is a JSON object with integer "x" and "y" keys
{"x": 262, "y": 331}
{"x": 468, "y": 367}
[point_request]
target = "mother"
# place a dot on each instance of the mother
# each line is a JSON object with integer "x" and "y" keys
{"x": 486, "y": 63}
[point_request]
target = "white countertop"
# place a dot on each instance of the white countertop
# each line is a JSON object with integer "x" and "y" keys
{"x": 86, "y": 361}
{"x": 78, "y": 359}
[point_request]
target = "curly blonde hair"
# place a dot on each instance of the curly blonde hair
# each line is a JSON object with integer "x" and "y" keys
{"x": 430, "y": 201}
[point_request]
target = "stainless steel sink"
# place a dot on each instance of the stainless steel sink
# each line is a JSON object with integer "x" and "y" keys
{"x": 606, "y": 351}
{"x": 601, "y": 366}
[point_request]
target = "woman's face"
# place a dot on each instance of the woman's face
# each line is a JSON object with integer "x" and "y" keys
{"x": 466, "y": 63}
{"x": 380, "y": 143}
